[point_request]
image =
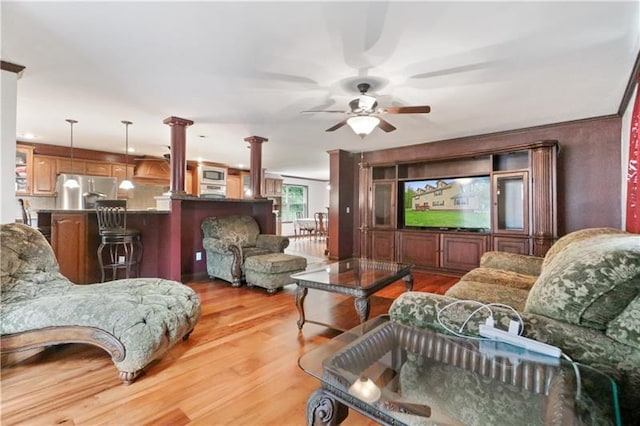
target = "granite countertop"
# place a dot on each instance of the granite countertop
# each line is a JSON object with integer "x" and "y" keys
{"x": 85, "y": 211}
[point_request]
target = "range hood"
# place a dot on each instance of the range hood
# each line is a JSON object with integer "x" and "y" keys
{"x": 152, "y": 171}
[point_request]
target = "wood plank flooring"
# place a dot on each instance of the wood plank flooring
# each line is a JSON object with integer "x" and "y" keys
{"x": 239, "y": 366}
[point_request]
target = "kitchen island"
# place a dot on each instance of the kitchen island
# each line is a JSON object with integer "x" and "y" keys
{"x": 171, "y": 238}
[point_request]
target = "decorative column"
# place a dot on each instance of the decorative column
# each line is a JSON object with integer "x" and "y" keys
{"x": 255, "y": 167}
{"x": 364, "y": 206}
{"x": 178, "y": 161}
{"x": 543, "y": 188}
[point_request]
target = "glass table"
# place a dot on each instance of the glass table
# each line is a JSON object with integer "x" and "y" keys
{"x": 356, "y": 277}
{"x": 398, "y": 375}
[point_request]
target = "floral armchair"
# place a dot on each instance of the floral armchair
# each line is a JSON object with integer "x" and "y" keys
{"x": 230, "y": 240}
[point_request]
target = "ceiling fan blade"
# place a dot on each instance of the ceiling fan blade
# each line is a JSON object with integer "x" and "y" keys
{"x": 332, "y": 111}
{"x": 424, "y": 109}
{"x": 386, "y": 126}
{"x": 337, "y": 126}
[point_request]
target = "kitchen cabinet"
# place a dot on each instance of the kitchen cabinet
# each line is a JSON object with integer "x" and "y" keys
{"x": 44, "y": 175}
{"x": 97, "y": 168}
{"x": 245, "y": 178}
{"x": 24, "y": 170}
{"x": 234, "y": 186}
{"x": 188, "y": 182}
{"x": 69, "y": 236}
{"x": 272, "y": 187}
{"x": 65, "y": 165}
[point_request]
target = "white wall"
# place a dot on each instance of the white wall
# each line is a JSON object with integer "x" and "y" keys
{"x": 9, "y": 90}
{"x": 626, "y": 133}
{"x": 318, "y": 198}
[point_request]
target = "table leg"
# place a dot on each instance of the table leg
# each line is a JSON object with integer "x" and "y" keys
{"x": 322, "y": 409}
{"x": 301, "y": 293}
{"x": 362, "y": 308}
{"x": 408, "y": 282}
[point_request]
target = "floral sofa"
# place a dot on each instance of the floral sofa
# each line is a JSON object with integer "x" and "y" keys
{"x": 583, "y": 296}
{"x": 230, "y": 240}
{"x": 134, "y": 320}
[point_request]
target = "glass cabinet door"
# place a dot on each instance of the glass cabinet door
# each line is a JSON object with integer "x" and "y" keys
{"x": 24, "y": 158}
{"x": 383, "y": 204}
{"x": 511, "y": 202}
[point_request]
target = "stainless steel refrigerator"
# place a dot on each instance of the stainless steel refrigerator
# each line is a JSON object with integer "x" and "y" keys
{"x": 91, "y": 188}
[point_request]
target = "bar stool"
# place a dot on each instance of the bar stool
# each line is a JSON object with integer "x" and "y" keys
{"x": 25, "y": 208}
{"x": 124, "y": 245}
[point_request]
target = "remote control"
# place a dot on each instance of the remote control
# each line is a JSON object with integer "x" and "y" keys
{"x": 523, "y": 342}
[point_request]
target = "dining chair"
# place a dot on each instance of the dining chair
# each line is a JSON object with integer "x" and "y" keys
{"x": 320, "y": 221}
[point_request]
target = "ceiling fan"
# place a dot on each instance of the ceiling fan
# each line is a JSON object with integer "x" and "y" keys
{"x": 364, "y": 113}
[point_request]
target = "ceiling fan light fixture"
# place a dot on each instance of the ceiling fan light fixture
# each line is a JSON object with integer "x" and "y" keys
{"x": 366, "y": 102}
{"x": 363, "y": 125}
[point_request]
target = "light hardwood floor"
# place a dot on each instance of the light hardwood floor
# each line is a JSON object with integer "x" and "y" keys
{"x": 239, "y": 366}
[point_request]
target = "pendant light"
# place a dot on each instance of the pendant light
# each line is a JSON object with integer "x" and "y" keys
{"x": 71, "y": 183}
{"x": 126, "y": 183}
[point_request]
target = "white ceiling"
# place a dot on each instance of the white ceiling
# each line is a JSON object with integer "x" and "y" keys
{"x": 249, "y": 68}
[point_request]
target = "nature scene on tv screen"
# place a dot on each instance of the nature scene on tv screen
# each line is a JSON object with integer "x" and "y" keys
{"x": 460, "y": 203}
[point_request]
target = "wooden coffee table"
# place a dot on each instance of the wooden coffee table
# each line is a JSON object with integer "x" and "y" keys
{"x": 356, "y": 277}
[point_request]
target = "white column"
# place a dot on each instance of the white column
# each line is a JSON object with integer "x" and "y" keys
{"x": 9, "y": 89}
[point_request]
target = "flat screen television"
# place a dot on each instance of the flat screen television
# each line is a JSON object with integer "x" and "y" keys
{"x": 461, "y": 203}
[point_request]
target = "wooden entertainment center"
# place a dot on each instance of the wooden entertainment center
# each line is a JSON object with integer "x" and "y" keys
{"x": 522, "y": 207}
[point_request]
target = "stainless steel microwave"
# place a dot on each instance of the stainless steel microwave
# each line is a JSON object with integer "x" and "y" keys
{"x": 213, "y": 175}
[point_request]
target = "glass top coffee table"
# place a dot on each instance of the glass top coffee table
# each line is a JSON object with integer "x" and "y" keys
{"x": 357, "y": 277}
{"x": 398, "y": 375}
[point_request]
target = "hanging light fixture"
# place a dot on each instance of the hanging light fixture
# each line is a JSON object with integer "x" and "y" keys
{"x": 126, "y": 183}
{"x": 71, "y": 183}
{"x": 362, "y": 125}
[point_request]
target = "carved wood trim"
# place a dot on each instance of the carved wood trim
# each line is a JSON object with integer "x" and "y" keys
{"x": 631, "y": 84}
{"x": 236, "y": 270}
{"x": 60, "y": 335}
{"x": 434, "y": 157}
{"x": 11, "y": 67}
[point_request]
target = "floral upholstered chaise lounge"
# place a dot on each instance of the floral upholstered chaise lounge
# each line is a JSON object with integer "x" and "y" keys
{"x": 134, "y": 320}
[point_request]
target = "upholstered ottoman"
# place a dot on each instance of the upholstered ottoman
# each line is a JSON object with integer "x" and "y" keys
{"x": 272, "y": 271}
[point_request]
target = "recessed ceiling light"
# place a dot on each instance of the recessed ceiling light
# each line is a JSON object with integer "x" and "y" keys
{"x": 29, "y": 136}
{"x": 131, "y": 149}
{"x": 240, "y": 166}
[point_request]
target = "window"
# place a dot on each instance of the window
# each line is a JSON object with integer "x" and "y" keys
{"x": 294, "y": 202}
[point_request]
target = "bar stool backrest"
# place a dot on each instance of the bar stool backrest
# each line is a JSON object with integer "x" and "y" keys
{"x": 26, "y": 214}
{"x": 112, "y": 216}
